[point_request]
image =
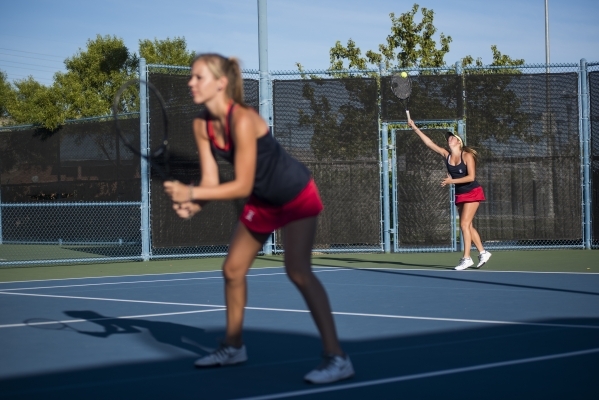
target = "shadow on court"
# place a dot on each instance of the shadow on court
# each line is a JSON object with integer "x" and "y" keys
{"x": 278, "y": 361}
{"x": 322, "y": 261}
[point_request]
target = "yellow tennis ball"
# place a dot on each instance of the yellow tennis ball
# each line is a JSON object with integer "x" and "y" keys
{"x": 404, "y": 74}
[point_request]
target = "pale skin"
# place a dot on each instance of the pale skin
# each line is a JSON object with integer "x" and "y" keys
{"x": 465, "y": 210}
{"x": 298, "y": 236}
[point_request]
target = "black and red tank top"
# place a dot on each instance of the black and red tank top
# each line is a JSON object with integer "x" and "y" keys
{"x": 459, "y": 171}
{"x": 279, "y": 177}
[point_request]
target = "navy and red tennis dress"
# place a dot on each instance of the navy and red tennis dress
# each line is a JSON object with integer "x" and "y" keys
{"x": 464, "y": 192}
{"x": 283, "y": 190}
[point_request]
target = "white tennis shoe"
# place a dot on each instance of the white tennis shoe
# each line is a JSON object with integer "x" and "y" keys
{"x": 483, "y": 258}
{"x": 332, "y": 369}
{"x": 464, "y": 263}
{"x": 224, "y": 355}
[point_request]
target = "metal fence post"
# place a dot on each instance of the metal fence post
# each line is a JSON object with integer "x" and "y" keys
{"x": 264, "y": 80}
{"x": 585, "y": 136}
{"x": 461, "y": 133}
{"x": 145, "y": 176}
{"x": 386, "y": 215}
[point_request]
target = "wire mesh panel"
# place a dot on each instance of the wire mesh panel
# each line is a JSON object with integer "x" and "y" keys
{"x": 594, "y": 122}
{"x": 331, "y": 126}
{"x": 78, "y": 162}
{"x": 77, "y": 186}
{"x": 434, "y": 97}
{"x": 210, "y": 230}
{"x": 525, "y": 127}
{"x": 423, "y": 208}
{"x": 69, "y": 232}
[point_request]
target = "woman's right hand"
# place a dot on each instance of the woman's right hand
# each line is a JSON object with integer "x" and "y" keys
{"x": 411, "y": 124}
{"x": 188, "y": 209}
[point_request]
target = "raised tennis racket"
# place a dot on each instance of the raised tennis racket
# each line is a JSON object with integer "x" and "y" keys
{"x": 402, "y": 89}
{"x": 158, "y": 155}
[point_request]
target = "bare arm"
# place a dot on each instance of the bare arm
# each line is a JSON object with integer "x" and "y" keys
{"x": 209, "y": 168}
{"x": 244, "y": 136}
{"x": 427, "y": 141}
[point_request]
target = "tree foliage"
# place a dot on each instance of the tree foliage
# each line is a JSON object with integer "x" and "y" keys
{"x": 166, "y": 52}
{"x": 5, "y": 93}
{"x": 94, "y": 76}
{"x": 410, "y": 44}
{"x": 87, "y": 88}
{"x": 436, "y": 92}
{"x": 32, "y": 102}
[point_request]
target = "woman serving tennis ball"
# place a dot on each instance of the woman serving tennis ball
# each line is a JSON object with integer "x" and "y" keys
{"x": 460, "y": 161}
{"x": 282, "y": 194}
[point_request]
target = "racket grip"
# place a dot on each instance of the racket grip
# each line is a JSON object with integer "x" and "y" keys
{"x": 408, "y": 115}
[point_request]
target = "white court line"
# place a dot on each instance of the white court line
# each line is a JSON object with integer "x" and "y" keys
{"x": 431, "y": 374}
{"x": 313, "y": 265}
{"x": 152, "y": 281}
{"x": 137, "y": 275}
{"x": 470, "y": 321}
{"x": 117, "y": 300}
{"x": 451, "y": 270}
{"x": 73, "y": 321}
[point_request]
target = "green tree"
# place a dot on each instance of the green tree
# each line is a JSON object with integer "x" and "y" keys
{"x": 410, "y": 44}
{"x": 6, "y": 90}
{"x": 34, "y": 103}
{"x": 166, "y": 52}
{"x": 93, "y": 77}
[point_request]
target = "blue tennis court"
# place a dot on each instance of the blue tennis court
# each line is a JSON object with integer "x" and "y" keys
{"x": 410, "y": 333}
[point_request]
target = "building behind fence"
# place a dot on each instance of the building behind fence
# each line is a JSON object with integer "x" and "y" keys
{"x": 75, "y": 195}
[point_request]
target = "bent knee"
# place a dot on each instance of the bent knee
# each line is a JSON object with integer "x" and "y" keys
{"x": 233, "y": 272}
{"x": 299, "y": 278}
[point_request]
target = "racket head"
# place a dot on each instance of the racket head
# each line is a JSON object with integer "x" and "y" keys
{"x": 157, "y": 151}
{"x": 401, "y": 87}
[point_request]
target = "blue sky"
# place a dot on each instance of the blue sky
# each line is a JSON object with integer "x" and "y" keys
{"x": 37, "y": 35}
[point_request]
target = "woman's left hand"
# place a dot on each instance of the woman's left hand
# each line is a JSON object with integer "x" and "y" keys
{"x": 177, "y": 191}
{"x": 447, "y": 181}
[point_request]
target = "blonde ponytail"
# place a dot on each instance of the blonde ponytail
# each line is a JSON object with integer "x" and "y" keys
{"x": 229, "y": 67}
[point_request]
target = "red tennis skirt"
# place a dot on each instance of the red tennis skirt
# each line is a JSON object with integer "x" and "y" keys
{"x": 472, "y": 196}
{"x": 260, "y": 217}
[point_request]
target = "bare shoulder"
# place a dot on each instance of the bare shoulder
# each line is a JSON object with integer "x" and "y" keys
{"x": 246, "y": 119}
{"x": 199, "y": 126}
{"x": 468, "y": 158}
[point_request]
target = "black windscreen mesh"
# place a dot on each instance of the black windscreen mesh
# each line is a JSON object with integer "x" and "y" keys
{"x": 433, "y": 97}
{"x": 331, "y": 126}
{"x": 525, "y": 128}
{"x": 78, "y": 162}
{"x": 594, "y": 120}
{"x": 214, "y": 225}
{"x": 423, "y": 209}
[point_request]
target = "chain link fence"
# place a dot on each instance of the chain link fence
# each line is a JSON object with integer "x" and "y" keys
{"x": 330, "y": 124}
{"x": 74, "y": 195}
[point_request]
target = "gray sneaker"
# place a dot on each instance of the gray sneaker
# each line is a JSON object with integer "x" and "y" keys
{"x": 483, "y": 258}
{"x": 332, "y": 369}
{"x": 464, "y": 263}
{"x": 224, "y": 355}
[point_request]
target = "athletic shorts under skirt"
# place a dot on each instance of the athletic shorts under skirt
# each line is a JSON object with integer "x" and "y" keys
{"x": 472, "y": 196}
{"x": 261, "y": 217}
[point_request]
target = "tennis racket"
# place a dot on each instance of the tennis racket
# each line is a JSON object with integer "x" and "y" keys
{"x": 402, "y": 89}
{"x": 158, "y": 156}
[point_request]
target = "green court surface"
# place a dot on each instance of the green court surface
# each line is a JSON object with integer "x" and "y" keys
{"x": 574, "y": 261}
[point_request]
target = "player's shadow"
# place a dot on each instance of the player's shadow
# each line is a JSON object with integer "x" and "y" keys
{"x": 182, "y": 336}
